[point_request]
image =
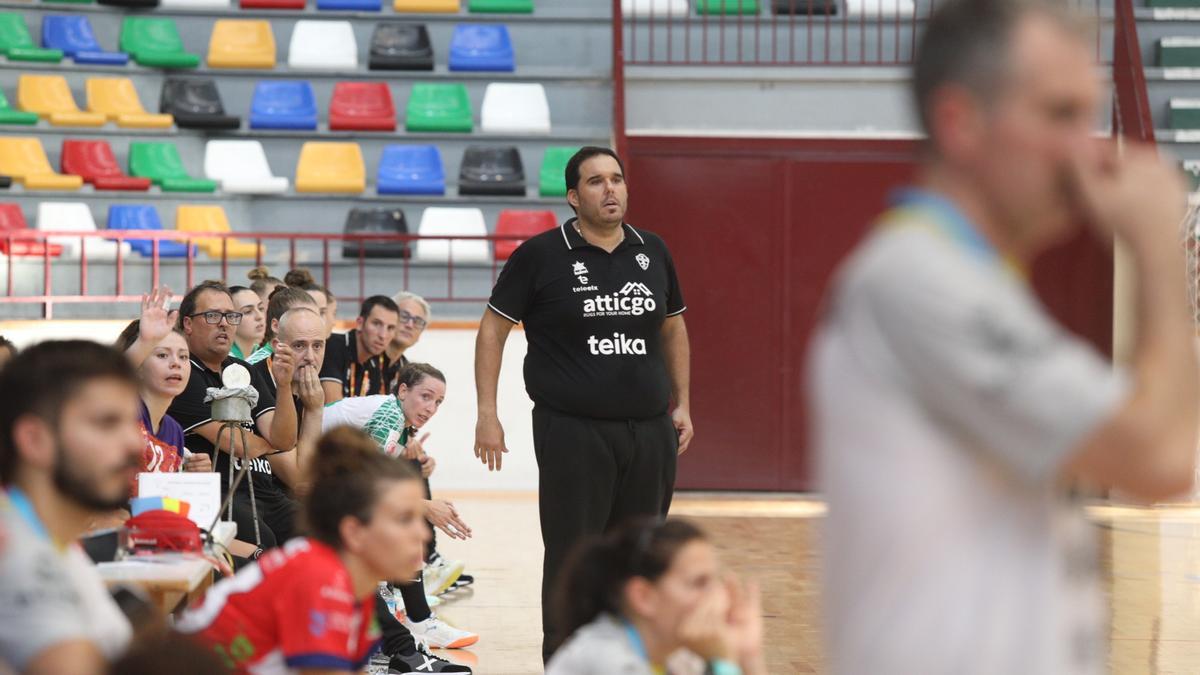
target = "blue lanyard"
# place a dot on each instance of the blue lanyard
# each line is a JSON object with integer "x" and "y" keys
{"x": 635, "y": 640}
{"x": 25, "y": 508}
{"x": 947, "y": 218}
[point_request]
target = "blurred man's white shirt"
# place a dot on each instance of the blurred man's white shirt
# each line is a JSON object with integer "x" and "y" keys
{"x": 945, "y": 402}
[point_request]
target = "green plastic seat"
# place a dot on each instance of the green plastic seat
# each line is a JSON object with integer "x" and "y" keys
{"x": 501, "y": 6}
{"x": 439, "y": 107}
{"x": 160, "y": 163}
{"x": 71, "y": 2}
{"x": 8, "y": 115}
{"x": 727, "y": 6}
{"x": 551, "y": 181}
{"x": 1179, "y": 52}
{"x": 17, "y": 44}
{"x": 155, "y": 43}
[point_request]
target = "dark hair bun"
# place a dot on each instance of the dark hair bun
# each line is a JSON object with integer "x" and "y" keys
{"x": 299, "y": 278}
{"x": 260, "y": 273}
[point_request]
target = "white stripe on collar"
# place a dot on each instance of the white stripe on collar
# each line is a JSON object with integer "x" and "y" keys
{"x": 563, "y": 228}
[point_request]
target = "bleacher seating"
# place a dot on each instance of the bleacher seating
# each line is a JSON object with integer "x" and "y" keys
{"x": 501, "y": 6}
{"x": 439, "y": 107}
{"x": 427, "y": 6}
{"x": 524, "y": 223}
{"x": 493, "y": 171}
{"x": 515, "y": 108}
{"x": 272, "y": 4}
{"x": 24, "y": 159}
{"x": 161, "y": 163}
{"x": 323, "y": 45}
{"x": 655, "y": 8}
{"x": 1184, "y": 113}
{"x": 154, "y": 42}
{"x": 1181, "y": 51}
{"x": 456, "y": 222}
{"x": 376, "y": 221}
{"x": 362, "y": 106}
{"x": 411, "y": 170}
{"x": 400, "y": 46}
{"x": 12, "y": 219}
{"x": 117, "y": 100}
{"x": 129, "y": 4}
{"x": 350, "y": 5}
{"x": 481, "y": 47}
{"x": 283, "y": 104}
{"x": 330, "y": 167}
{"x": 241, "y": 167}
{"x": 552, "y": 180}
{"x": 17, "y": 44}
{"x": 73, "y": 36}
{"x": 212, "y": 218}
{"x": 195, "y": 104}
{"x": 144, "y": 217}
{"x": 238, "y": 43}
{"x": 9, "y": 115}
{"x": 726, "y": 6}
{"x": 804, "y": 7}
{"x": 76, "y": 217}
{"x": 195, "y": 4}
{"x": 95, "y": 162}
{"x": 50, "y": 97}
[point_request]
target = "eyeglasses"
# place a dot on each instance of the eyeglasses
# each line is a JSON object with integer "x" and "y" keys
{"x": 415, "y": 320}
{"x": 214, "y": 317}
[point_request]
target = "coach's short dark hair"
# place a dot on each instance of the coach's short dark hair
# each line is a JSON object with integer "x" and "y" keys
{"x": 968, "y": 43}
{"x": 377, "y": 301}
{"x": 584, "y": 154}
{"x": 187, "y": 306}
{"x": 41, "y": 379}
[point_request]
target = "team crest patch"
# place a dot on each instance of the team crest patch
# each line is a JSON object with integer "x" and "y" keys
{"x": 643, "y": 261}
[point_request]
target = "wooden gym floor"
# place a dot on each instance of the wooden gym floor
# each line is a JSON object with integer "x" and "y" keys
{"x": 1151, "y": 561}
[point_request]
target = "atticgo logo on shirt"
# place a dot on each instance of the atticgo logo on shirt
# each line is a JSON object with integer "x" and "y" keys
{"x": 634, "y": 299}
{"x": 618, "y": 345}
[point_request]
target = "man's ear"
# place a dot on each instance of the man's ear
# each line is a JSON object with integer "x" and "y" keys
{"x": 34, "y": 441}
{"x": 573, "y": 197}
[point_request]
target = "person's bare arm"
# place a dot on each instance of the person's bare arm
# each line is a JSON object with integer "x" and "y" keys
{"x": 333, "y": 391}
{"x": 78, "y": 657}
{"x": 1148, "y": 448}
{"x": 154, "y": 323}
{"x": 292, "y": 467}
{"x": 489, "y": 354}
{"x": 256, "y": 445}
{"x": 677, "y": 355}
{"x": 280, "y": 426}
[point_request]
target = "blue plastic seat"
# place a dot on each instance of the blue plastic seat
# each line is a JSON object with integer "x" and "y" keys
{"x": 285, "y": 104}
{"x": 73, "y": 36}
{"x": 350, "y": 5}
{"x": 411, "y": 170}
{"x": 481, "y": 47}
{"x": 144, "y": 217}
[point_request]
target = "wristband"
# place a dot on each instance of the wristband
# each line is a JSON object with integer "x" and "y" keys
{"x": 724, "y": 667}
{"x": 258, "y": 552}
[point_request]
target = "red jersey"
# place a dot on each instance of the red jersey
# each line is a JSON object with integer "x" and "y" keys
{"x": 158, "y": 454}
{"x": 294, "y": 609}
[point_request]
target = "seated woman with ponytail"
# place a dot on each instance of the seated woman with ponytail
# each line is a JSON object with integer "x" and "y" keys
{"x": 648, "y": 599}
{"x": 308, "y": 607}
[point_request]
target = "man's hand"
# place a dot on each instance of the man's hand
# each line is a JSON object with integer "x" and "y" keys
{"x": 489, "y": 442}
{"x": 283, "y": 366}
{"x": 308, "y": 388}
{"x": 198, "y": 462}
{"x": 415, "y": 448}
{"x": 682, "y": 419}
{"x": 1134, "y": 194}
{"x": 428, "y": 464}
{"x": 445, "y": 517}
{"x": 156, "y": 321}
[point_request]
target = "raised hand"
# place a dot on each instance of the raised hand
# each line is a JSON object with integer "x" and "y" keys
{"x": 415, "y": 448}
{"x": 156, "y": 321}
{"x": 283, "y": 366}
{"x": 308, "y": 387}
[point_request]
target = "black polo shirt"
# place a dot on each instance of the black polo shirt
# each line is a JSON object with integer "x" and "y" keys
{"x": 190, "y": 410}
{"x": 341, "y": 365}
{"x": 262, "y": 370}
{"x": 392, "y": 374}
{"x": 593, "y": 321}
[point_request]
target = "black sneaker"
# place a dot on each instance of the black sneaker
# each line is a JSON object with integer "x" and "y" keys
{"x": 421, "y": 661}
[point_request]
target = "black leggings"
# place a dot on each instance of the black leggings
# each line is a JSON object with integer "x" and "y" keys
{"x": 396, "y": 638}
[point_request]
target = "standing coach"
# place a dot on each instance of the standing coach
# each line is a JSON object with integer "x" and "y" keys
{"x": 608, "y": 352}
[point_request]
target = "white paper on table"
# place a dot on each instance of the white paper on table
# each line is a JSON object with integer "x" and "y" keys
{"x": 201, "y": 490}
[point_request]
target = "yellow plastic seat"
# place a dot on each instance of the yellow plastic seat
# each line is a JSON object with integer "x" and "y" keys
{"x": 117, "y": 100}
{"x": 238, "y": 43}
{"x": 23, "y": 158}
{"x": 50, "y": 97}
{"x": 427, "y": 6}
{"x": 211, "y": 218}
{"x": 330, "y": 167}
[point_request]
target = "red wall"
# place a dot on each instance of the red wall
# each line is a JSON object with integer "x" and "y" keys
{"x": 756, "y": 228}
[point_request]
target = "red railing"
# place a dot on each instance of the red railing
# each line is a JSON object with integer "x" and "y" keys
{"x": 305, "y": 250}
{"x": 1131, "y": 102}
{"x": 784, "y": 32}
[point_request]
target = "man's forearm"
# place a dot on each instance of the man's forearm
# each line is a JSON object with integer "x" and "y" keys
{"x": 489, "y": 354}
{"x": 1165, "y": 353}
{"x": 310, "y": 433}
{"x": 282, "y": 433}
{"x": 677, "y": 355}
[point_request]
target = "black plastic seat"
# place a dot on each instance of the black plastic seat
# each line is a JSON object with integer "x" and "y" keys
{"x": 196, "y": 104}
{"x": 5, "y": 181}
{"x": 491, "y": 171}
{"x": 804, "y": 7}
{"x": 376, "y": 221}
{"x": 129, "y": 4}
{"x": 396, "y": 45}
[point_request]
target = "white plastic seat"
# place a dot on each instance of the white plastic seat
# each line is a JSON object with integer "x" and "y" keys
{"x": 323, "y": 45}
{"x": 655, "y": 8}
{"x": 76, "y": 217}
{"x": 195, "y": 4}
{"x": 241, "y": 167}
{"x": 453, "y": 222}
{"x": 880, "y": 8}
{"x": 513, "y": 108}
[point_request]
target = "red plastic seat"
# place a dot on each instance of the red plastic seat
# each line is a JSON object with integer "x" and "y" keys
{"x": 12, "y": 220}
{"x": 94, "y": 160}
{"x": 362, "y": 106}
{"x": 524, "y": 223}
{"x": 272, "y": 4}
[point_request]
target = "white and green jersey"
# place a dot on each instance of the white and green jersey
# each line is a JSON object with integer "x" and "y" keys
{"x": 379, "y": 415}
{"x": 260, "y": 354}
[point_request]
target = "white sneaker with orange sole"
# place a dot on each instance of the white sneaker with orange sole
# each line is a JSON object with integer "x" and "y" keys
{"x": 441, "y": 635}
